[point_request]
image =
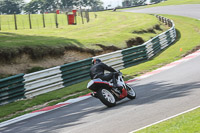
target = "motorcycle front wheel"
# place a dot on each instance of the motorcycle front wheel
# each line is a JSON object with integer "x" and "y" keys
{"x": 131, "y": 92}
{"x": 106, "y": 97}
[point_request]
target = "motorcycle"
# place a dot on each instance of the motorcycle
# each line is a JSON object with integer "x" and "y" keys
{"x": 104, "y": 91}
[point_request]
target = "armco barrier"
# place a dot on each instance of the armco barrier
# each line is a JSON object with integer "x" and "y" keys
{"x": 11, "y": 89}
{"x": 43, "y": 81}
{"x": 56, "y": 78}
{"x": 76, "y": 72}
{"x": 134, "y": 55}
{"x": 33, "y": 84}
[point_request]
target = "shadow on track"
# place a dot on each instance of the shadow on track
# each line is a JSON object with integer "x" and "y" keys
{"x": 73, "y": 115}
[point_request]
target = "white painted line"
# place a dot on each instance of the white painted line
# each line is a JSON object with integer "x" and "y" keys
{"x": 165, "y": 119}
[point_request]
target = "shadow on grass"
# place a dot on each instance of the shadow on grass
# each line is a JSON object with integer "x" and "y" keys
{"x": 23, "y": 40}
{"x": 14, "y": 45}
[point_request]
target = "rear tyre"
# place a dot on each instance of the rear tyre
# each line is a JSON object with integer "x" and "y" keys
{"x": 106, "y": 97}
{"x": 131, "y": 92}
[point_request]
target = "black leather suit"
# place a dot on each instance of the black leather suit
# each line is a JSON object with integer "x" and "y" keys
{"x": 97, "y": 71}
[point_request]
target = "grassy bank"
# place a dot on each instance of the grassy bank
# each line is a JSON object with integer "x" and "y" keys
{"x": 188, "y": 38}
{"x": 27, "y": 49}
{"x": 109, "y": 28}
{"x": 186, "y": 123}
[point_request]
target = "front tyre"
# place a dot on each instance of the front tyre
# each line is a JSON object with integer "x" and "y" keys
{"x": 131, "y": 92}
{"x": 106, "y": 97}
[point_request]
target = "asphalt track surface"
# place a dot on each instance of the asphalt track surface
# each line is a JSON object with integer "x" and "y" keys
{"x": 158, "y": 97}
{"x": 192, "y": 10}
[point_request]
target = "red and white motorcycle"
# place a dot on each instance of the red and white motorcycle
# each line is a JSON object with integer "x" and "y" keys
{"x": 104, "y": 91}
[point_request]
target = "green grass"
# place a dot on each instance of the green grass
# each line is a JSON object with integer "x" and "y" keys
{"x": 186, "y": 123}
{"x": 20, "y": 107}
{"x": 188, "y": 38}
{"x": 109, "y": 28}
{"x": 8, "y": 24}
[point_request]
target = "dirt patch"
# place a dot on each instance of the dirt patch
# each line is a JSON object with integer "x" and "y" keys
{"x": 157, "y": 27}
{"x": 23, "y": 62}
{"x": 134, "y": 42}
{"x": 83, "y": 50}
{"x": 31, "y": 59}
{"x": 108, "y": 48}
{"x": 150, "y": 30}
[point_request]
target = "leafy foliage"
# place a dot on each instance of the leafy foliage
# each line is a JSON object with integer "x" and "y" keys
{"x": 51, "y": 5}
{"x": 133, "y": 2}
{"x": 35, "y": 6}
{"x": 11, "y": 6}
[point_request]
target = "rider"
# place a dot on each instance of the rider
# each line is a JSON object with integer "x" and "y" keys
{"x": 97, "y": 71}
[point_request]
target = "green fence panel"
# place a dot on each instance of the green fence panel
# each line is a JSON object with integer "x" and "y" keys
{"x": 76, "y": 72}
{"x": 76, "y": 81}
{"x": 83, "y": 72}
{"x": 133, "y": 50}
{"x": 135, "y": 55}
{"x": 135, "y": 62}
{"x": 75, "y": 65}
{"x": 11, "y": 89}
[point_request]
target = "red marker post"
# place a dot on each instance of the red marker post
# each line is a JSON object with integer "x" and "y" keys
{"x": 57, "y": 11}
{"x": 71, "y": 19}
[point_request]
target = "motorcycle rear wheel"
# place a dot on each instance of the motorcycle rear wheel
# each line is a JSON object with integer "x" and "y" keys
{"x": 106, "y": 97}
{"x": 131, "y": 92}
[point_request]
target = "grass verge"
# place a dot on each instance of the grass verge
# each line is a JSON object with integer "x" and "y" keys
{"x": 186, "y": 123}
{"x": 188, "y": 38}
{"x": 18, "y": 108}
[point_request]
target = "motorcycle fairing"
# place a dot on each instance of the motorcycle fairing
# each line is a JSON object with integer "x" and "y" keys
{"x": 124, "y": 93}
{"x": 95, "y": 84}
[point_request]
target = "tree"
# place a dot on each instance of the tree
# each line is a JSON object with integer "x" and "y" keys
{"x": 96, "y": 5}
{"x": 138, "y": 2}
{"x": 11, "y": 6}
{"x": 51, "y": 5}
{"x": 156, "y": 1}
{"x": 34, "y": 6}
{"x": 133, "y": 2}
{"x": 42, "y": 5}
{"x": 85, "y": 3}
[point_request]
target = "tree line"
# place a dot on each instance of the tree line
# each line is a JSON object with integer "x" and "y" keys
{"x": 42, "y": 6}
{"x": 127, "y": 3}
